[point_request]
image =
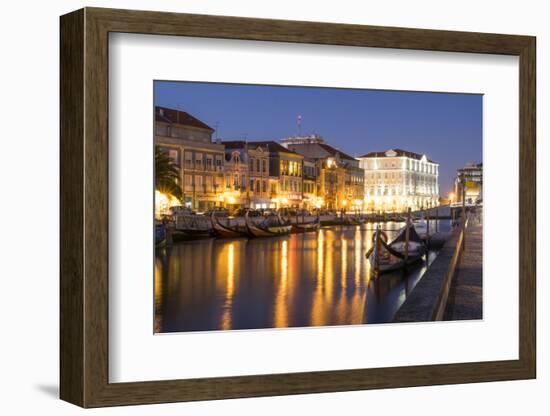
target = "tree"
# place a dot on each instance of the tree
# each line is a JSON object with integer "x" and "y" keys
{"x": 167, "y": 175}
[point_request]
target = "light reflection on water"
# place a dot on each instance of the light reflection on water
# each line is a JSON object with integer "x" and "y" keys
{"x": 309, "y": 279}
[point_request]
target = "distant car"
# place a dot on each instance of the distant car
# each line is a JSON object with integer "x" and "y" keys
{"x": 181, "y": 210}
{"x": 255, "y": 213}
{"x": 240, "y": 212}
{"x": 218, "y": 212}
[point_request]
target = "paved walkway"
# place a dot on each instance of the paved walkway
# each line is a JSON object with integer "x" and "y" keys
{"x": 466, "y": 294}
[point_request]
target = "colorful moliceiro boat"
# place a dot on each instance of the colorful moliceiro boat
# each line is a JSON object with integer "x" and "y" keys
{"x": 399, "y": 253}
{"x": 304, "y": 227}
{"x": 269, "y": 227}
{"x": 227, "y": 231}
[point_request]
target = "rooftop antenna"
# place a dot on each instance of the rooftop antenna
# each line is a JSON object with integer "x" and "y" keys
{"x": 216, "y": 128}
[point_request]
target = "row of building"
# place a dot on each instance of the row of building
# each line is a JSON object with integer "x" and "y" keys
{"x": 297, "y": 172}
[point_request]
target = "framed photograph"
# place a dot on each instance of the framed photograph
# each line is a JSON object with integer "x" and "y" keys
{"x": 255, "y": 207}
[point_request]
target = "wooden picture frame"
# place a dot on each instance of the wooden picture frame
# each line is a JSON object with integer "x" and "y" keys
{"x": 84, "y": 207}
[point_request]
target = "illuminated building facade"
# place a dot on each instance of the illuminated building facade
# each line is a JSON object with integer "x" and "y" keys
{"x": 235, "y": 170}
{"x": 285, "y": 175}
{"x": 258, "y": 176}
{"x": 340, "y": 177}
{"x": 188, "y": 142}
{"x": 397, "y": 179}
{"x": 246, "y": 170}
{"x": 311, "y": 185}
{"x": 469, "y": 180}
{"x": 299, "y": 172}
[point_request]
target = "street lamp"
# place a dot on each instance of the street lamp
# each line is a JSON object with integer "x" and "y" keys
{"x": 451, "y": 197}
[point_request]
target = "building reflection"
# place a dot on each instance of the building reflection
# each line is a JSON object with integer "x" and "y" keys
{"x": 357, "y": 256}
{"x": 281, "y": 308}
{"x": 230, "y": 286}
{"x": 317, "y": 306}
{"x": 310, "y": 279}
{"x": 158, "y": 297}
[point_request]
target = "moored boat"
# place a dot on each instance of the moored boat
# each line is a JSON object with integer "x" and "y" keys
{"x": 227, "y": 231}
{"x": 189, "y": 227}
{"x": 304, "y": 227}
{"x": 160, "y": 236}
{"x": 270, "y": 227}
{"x": 403, "y": 251}
{"x": 356, "y": 220}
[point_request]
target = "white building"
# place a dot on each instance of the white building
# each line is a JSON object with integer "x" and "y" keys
{"x": 397, "y": 179}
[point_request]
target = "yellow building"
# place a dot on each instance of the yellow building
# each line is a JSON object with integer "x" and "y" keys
{"x": 246, "y": 171}
{"x": 285, "y": 175}
{"x": 258, "y": 176}
{"x": 340, "y": 178}
{"x": 398, "y": 179}
{"x": 311, "y": 185}
{"x": 332, "y": 180}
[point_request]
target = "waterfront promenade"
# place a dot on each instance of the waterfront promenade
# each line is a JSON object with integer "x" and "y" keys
{"x": 466, "y": 294}
{"x": 451, "y": 289}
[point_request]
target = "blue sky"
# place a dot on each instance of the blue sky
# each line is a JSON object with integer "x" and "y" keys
{"x": 445, "y": 127}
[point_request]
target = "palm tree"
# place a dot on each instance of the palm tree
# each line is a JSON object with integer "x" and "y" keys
{"x": 166, "y": 175}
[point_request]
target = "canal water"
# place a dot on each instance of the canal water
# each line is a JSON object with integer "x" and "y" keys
{"x": 310, "y": 279}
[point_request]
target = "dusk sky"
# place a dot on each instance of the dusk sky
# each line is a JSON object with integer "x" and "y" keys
{"x": 445, "y": 127}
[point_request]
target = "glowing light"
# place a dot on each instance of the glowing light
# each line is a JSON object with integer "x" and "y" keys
{"x": 319, "y": 203}
{"x": 231, "y": 199}
{"x": 163, "y": 202}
